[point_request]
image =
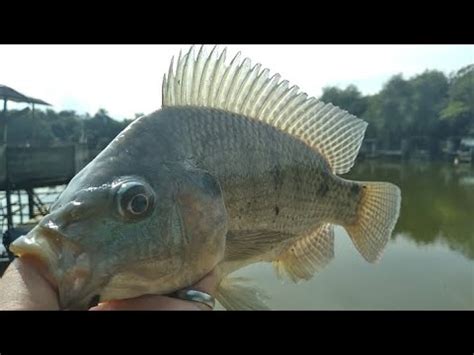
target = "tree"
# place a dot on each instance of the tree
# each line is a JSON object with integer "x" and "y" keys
{"x": 373, "y": 117}
{"x": 428, "y": 107}
{"x": 349, "y": 99}
{"x": 49, "y": 128}
{"x": 430, "y": 95}
{"x": 459, "y": 111}
{"x": 395, "y": 109}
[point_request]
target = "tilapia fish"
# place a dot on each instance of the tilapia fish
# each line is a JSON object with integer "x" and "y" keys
{"x": 237, "y": 167}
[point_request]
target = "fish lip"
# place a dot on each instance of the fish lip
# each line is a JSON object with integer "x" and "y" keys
{"x": 40, "y": 242}
{"x": 68, "y": 264}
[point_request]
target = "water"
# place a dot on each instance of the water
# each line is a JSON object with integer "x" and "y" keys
{"x": 47, "y": 196}
{"x": 428, "y": 264}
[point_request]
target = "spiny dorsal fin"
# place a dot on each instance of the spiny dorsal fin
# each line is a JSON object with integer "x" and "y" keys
{"x": 207, "y": 80}
{"x": 308, "y": 255}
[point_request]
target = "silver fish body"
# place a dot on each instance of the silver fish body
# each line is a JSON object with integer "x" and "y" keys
{"x": 219, "y": 178}
{"x": 270, "y": 181}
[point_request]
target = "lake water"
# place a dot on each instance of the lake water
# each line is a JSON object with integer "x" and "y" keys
{"x": 428, "y": 264}
{"x": 47, "y": 196}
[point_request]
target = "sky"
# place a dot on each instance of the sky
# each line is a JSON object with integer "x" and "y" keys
{"x": 126, "y": 79}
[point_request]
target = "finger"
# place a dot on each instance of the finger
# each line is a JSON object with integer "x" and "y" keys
{"x": 25, "y": 285}
{"x": 148, "y": 302}
{"x": 207, "y": 284}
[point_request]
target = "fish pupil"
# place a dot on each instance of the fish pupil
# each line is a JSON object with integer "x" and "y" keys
{"x": 138, "y": 204}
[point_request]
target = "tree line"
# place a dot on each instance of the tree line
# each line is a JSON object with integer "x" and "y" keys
{"x": 51, "y": 128}
{"x": 427, "y": 108}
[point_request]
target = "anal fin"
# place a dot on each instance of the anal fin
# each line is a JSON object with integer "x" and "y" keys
{"x": 236, "y": 293}
{"x": 308, "y": 255}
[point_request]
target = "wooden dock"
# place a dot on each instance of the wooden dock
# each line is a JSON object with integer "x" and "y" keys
{"x": 27, "y": 168}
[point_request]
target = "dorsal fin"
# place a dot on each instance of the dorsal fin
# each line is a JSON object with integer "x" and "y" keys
{"x": 207, "y": 80}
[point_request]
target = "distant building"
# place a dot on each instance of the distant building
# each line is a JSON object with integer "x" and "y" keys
{"x": 466, "y": 150}
{"x": 467, "y": 143}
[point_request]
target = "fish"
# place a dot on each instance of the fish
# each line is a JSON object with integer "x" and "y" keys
{"x": 237, "y": 167}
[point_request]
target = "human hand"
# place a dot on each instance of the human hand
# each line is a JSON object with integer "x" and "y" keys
{"x": 25, "y": 286}
{"x": 158, "y": 302}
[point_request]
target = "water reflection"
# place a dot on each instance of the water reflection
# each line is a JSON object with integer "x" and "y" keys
{"x": 437, "y": 201}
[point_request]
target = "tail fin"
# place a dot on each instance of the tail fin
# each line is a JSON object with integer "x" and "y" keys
{"x": 377, "y": 215}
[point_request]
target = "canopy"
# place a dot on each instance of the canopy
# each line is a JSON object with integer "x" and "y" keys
{"x": 7, "y": 93}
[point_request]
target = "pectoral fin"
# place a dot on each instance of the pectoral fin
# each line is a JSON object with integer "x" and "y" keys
{"x": 247, "y": 244}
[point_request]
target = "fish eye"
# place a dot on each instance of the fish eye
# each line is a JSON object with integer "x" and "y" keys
{"x": 134, "y": 199}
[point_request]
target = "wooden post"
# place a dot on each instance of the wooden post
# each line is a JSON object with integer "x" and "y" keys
{"x": 33, "y": 133}
{"x": 4, "y": 119}
{"x": 7, "y": 180}
{"x": 31, "y": 204}
{"x": 20, "y": 205}
{"x": 9, "y": 208}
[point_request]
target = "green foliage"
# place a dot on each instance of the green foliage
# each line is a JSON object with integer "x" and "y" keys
{"x": 349, "y": 99}
{"x": 49, "y": 128}
{"x": 459, "y": 111}
{"x": 454, "y": 110}
{"x": 424, "y": 109}
{"x": 430, "y": 95}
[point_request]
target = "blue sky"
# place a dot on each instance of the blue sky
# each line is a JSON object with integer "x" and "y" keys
{"x": 126, "y": 79}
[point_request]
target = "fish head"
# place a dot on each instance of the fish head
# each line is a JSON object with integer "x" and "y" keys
{"x": 129, "y": 235}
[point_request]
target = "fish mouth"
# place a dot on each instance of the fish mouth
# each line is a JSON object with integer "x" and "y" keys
{"x": 69, "y": 265}
{"x": 42, "y": 243}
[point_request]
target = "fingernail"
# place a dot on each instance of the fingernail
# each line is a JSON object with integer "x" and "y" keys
{"x": 100, "y": 307}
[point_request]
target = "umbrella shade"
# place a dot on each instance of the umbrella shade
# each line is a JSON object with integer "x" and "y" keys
{"x": 7, "y": 93}
{"x": 38, "y": 101}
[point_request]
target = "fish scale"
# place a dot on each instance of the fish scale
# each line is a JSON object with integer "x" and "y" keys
{"x": 245, "y": 180}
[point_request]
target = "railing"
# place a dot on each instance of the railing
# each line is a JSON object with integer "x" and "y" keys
{"x": 28, "y": 167}
{"x": 24, "y": 170}
{"x": 26, "y": 205}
